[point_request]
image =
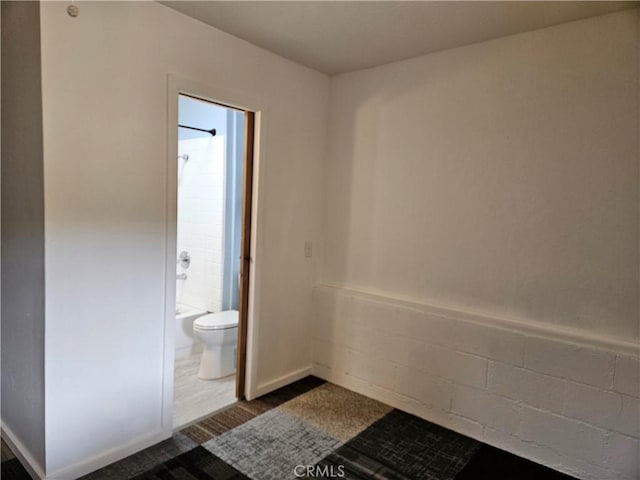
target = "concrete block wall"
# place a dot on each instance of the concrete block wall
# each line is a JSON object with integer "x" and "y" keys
{"x": 562, "y": 399}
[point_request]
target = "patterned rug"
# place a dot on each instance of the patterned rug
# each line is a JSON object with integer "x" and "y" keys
{"x": 312, "y": 429}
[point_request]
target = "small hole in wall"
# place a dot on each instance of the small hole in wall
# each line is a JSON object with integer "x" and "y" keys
{"x": 73, "y": 10}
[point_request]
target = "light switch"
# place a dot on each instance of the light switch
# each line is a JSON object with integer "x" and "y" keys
{"x": 308, "y": 248}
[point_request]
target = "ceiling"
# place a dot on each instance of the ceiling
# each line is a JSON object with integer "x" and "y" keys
{"x": 340, "y": 36}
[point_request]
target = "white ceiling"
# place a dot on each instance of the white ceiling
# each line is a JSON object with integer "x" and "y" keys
{"x": 340, "y": 36}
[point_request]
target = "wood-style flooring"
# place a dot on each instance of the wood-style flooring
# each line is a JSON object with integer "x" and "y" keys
{"x": 194, "y": 398}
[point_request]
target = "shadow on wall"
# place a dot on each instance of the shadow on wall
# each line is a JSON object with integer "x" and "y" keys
{"x": 481, "y": 178}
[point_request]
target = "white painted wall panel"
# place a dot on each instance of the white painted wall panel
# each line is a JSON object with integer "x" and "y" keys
{"x": 482, "y": 219}
{"x": 105, "y": 107}
{"x": 499, "y": 178}
{"x": 22, "y": 260}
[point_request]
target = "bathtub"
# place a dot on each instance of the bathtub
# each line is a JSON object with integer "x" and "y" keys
{"x": 186, "y": 344}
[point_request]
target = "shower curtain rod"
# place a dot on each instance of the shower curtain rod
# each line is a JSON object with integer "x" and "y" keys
{"x": 212, "y": 131}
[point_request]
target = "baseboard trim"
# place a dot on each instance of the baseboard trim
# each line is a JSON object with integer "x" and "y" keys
{"x": 529, "y": 328}
{"x": 92, "y": 464}
{"x": 23, "y": 454}
{"x": 272, "y": 385}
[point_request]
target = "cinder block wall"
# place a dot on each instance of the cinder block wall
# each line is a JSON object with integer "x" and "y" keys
{"x": 498, "y": 180}
{"x": 562, "y": 399}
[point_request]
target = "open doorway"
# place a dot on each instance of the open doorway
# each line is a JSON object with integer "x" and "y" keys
{"x": 214, "y": 171}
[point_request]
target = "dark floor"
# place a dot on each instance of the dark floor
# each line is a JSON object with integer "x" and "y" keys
{"x": 313, "y": 429}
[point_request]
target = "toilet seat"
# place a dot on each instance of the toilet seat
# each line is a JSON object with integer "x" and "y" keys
{"x": 217, "y": 321}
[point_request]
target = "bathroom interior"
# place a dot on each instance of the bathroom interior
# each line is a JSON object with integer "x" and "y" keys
{"x": 209, "y": 214}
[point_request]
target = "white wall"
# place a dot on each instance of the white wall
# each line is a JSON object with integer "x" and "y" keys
{"x": 200, "y": 221}
{"x": 105, "y": 123}
{"x": 482, "y": 251}
{"x": 563, "y": 402}
{"x": 22, "y": 233}
{"x": 500, "y": 178}
{"x": 492, "y": 179}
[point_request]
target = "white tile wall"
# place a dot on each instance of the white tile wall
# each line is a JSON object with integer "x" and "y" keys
{"x": 201, "y": 221}
{"x": 565, "y": 404}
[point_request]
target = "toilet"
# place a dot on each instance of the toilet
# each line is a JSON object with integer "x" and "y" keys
{"x": 218, "y": 332}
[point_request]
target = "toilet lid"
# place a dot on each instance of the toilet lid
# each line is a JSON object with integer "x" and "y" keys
{"x": 218, "y": 320}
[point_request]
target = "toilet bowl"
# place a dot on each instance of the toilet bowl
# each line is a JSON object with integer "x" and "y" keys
{"x": 218, "y": 332}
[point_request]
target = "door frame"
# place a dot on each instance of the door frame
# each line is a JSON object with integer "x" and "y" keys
{"x": 248, "y": 330}
{"x": 245, "y": 251}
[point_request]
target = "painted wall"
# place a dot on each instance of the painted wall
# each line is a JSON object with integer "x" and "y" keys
{"x": 499, "y": 178}
{"x": 23, "y": 408}
{"x": 105, "y": 122}
{"x": 567, "y": 402}
{"x": 233, "y": 209}
{"x": 392, "y": 158}
{"x": 196, "y": 113}
{"x": 481, "y": 252}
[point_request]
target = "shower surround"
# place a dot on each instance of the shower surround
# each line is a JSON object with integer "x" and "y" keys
{"x": 201, "y": 221}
